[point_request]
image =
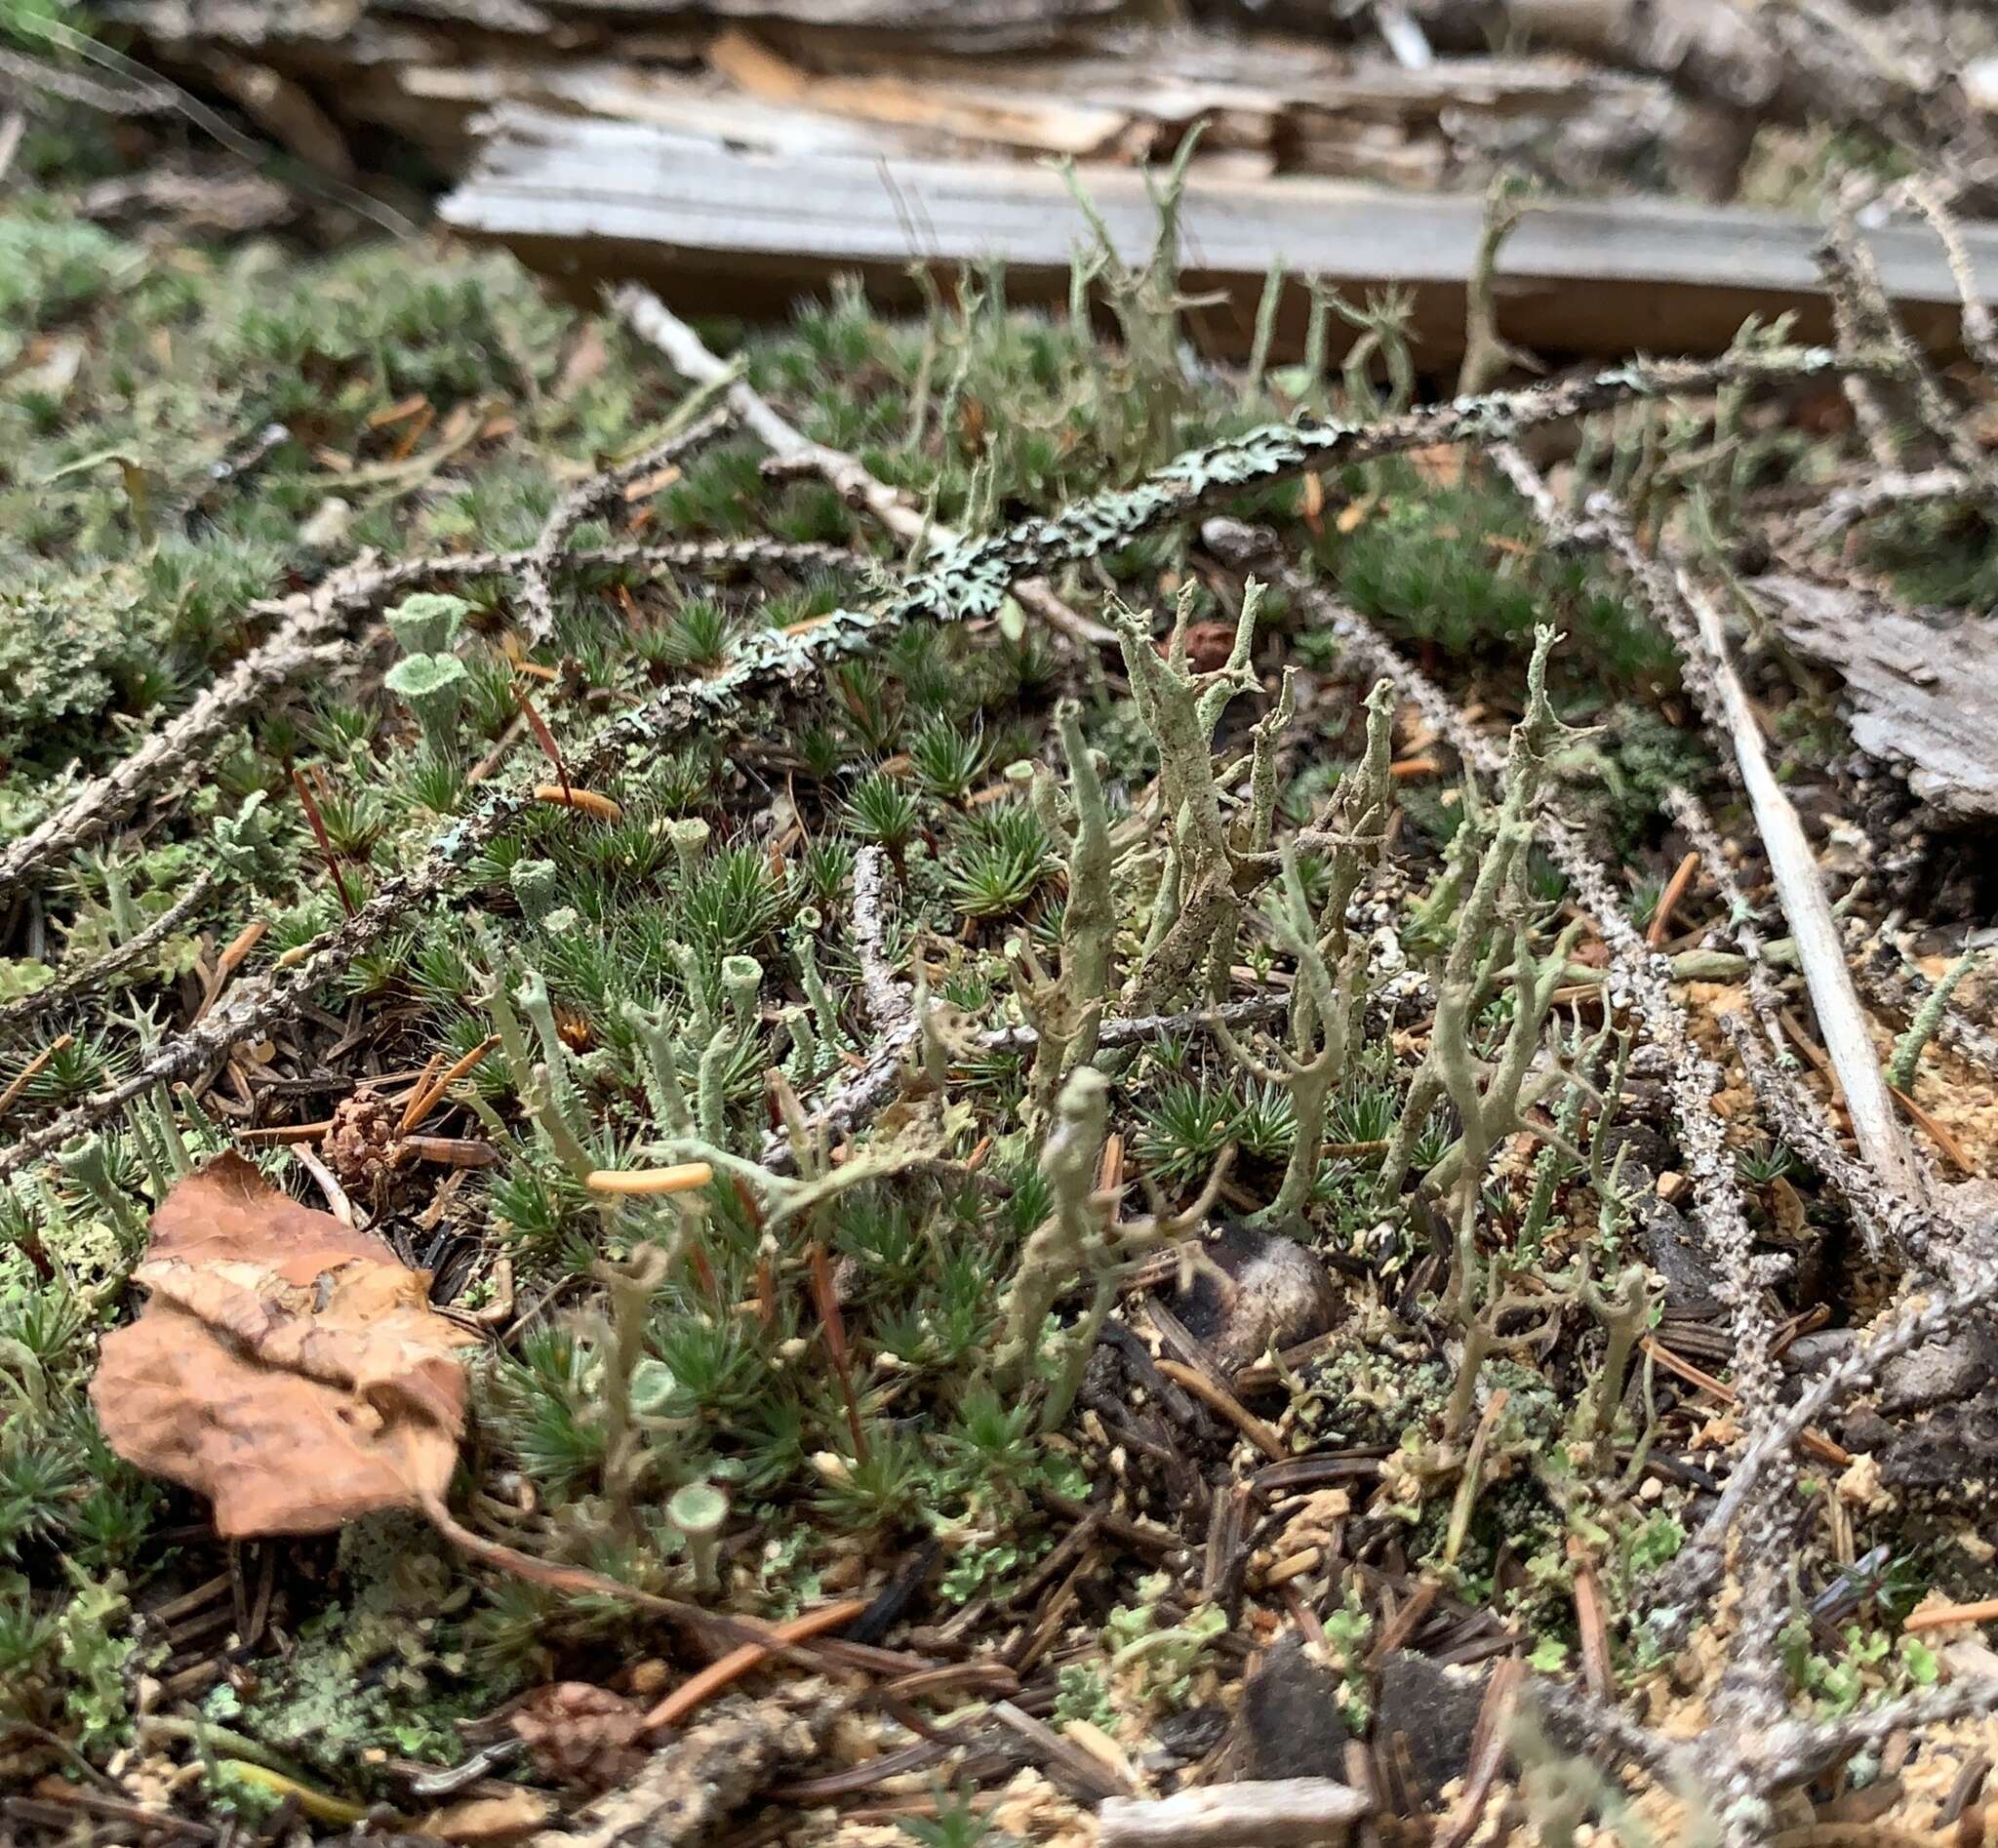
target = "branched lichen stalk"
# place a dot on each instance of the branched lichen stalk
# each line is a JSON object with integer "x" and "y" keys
{"x": 1328, "y": 995}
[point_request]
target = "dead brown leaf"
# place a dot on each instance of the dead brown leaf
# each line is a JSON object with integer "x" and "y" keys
{"x": 285, "y": 1365}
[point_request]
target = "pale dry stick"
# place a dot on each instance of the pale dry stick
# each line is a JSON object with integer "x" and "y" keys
{"x": 1275, "y": 1813}
{"x": 585, "y": 499}
{"x": 1690, "y": 617}
{"x": 72, "y": 984}
{"x": 888, "y": 1000}
{"x": 1888, "y": 1218}
{"x": 1850, "y": 324}
{"x": 651, "y": 320}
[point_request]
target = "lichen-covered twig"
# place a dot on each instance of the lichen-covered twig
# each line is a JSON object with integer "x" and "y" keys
{"x": 1980, "y": 329}
{"x": 973, "y": 577}
{"x": 887, "y": 1001}
{"x": 1855, "y": 280}
{"x": 72, "y": 984}
{"x": 581, "y": 501}
{"x": 651, "y": 320}
{"x": 1844, "y": 507}
{"x": 307, "y": 637}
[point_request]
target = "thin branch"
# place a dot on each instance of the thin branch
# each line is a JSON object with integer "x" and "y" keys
{"x": 1846, "y": 506}
{"x": 72, "y": 984}
{"x": 888, "y": 1000}
{"x": 651, "y": 320}
{"x": 858, "y": 1096}
{"x": 585, "y": 499}
{"x": 1979, "y": 331}
{"x": 306, "y": 638}
{"x": 973, "y": 577}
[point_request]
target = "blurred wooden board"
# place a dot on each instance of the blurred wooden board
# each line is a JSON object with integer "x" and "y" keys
{"x": 722, "y": 229}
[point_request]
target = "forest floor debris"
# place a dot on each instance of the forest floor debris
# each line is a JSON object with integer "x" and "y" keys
{"x": 991, "y": 1189}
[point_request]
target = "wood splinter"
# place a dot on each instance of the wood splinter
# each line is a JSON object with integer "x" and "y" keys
{"x": 1276, "y": 1813}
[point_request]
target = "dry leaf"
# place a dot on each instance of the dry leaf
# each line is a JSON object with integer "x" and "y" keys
{"x": 286, "y": 1365}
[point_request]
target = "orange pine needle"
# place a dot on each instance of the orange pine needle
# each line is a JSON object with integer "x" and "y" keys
{"x": 701, "y": 1688}
{"x": 1938, "y": 1131}
{"x": 25, "y": 1075}
{"x": 586, "y": 800}
{"x": 682, "y": 1178}
{"x": 546, "y": 739}
{"x": 287, "y": 1132}
{"x": 1815, "y": 1443}
{"x": 1941, "y": 1616}
{"x": 1669, "y": 900}
{"x": 240, "y": 945}
{"x": 426, "y": 1096}
{"x": 1217, "y": 1399}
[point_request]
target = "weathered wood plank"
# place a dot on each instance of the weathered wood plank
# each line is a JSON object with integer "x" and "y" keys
{"x": 721, "y": 228}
